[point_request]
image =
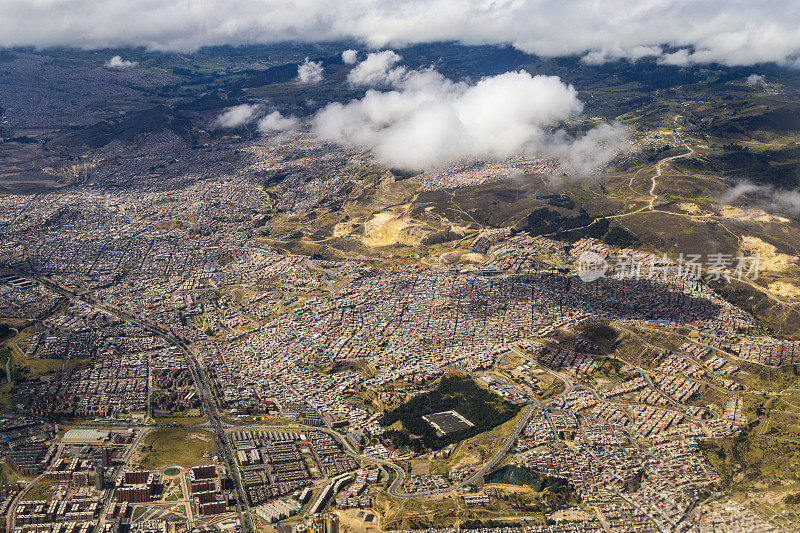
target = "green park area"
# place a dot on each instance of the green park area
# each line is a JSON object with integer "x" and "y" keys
{"x": 483, "y": 409}
{"x": 169, "y": 447}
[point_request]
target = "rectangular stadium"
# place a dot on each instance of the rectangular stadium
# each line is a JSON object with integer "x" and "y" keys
{"x": 447, "y": 422}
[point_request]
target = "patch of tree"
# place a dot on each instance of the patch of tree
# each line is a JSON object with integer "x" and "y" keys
{"x": 261, "y": 221}
{"x": 561, "y": 497}
{"x": 64, "y": 213}
{"x": 258, "y": 78}
{"x": 207, "y": 102}
{"x": 600, "y": 334}
{"x": 782, "y": 121}
{"x": 23, "y": 139}
{"x": 523, "y": 475}
{"x": 345, "y": 189}
{"x": 650, "y": 154}
{"x": 5, "y": 331}
{"x": 598, "y": 229}
{"x": 440, "y": 237}
{"x": 399, "y": 439}
{"x": 483, "y": 408}
{"x": 621, "y": 237}
{"x": 791, "y": 499}
{"x": 464, "y": 60}
{"x": 401, "y": 174}
{"x": 653, "y": 154}
{"x": 130, "y": 128}
{"x": 276, "y": 176}
{"x": 545, "y": 221}
{"x": 778, "y": 167}
{"x": 553, "y": 492}
{"x": 634, "y": 483}
{"x": 559, "y": 200}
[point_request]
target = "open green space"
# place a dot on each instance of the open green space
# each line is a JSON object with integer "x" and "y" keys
{"x": 9, "y": 475}
{"x": 5, "y": 331}
{"x": 181, "y": 447}
{"x": 455, "y": 391}
{"x": 446, "y": 511}
{"x": 259, "y": 420}
{"x": 23, "y": 368}
{"x": 42, "y": 491}
{"x": 761, "y": 465}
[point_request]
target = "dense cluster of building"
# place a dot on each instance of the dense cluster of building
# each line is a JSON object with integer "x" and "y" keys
{"x": 276, "y": 463}
{"x": 284, "y": 334}
{"x": 480, "y": 172}
{"x": 74, "y": 479}
{"x": 54, "y": 515}
{"x": 582, "y": 526}
{"x": 425, "y": 483}
{"x": 108, "y": 386}
{"x": 208, "y": 495}
{"x": 357, "y": 495}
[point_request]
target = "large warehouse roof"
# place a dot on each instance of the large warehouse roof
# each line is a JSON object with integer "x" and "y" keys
{"x": 86, "y": 435}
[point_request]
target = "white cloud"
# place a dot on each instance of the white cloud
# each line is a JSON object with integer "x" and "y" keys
{"x": 638, "y": 52}
{"x": 238, "y": 116}
{"x": 733, "y": 32}
{"x": 349, "y": 57}
{"x": 598, "y": 57}
{"x": 377, "y": 69}
{"x": 756, "y": 80}
{"x": 310, "y": 71}
{"x": 428, "y": 121}
{"x": 119, "y": 63}
{"x": 766, "y": 197}
{"x": 277, "y": 122}
{"x": 592, "y": 151}
{"x": 681, "y": 58}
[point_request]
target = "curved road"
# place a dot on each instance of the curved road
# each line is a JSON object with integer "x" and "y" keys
{"x": 18, "y": 498}
{"x": 496, "y": 458}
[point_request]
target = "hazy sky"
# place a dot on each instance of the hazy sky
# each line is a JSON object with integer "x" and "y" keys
{"x": 733, "y": 32}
